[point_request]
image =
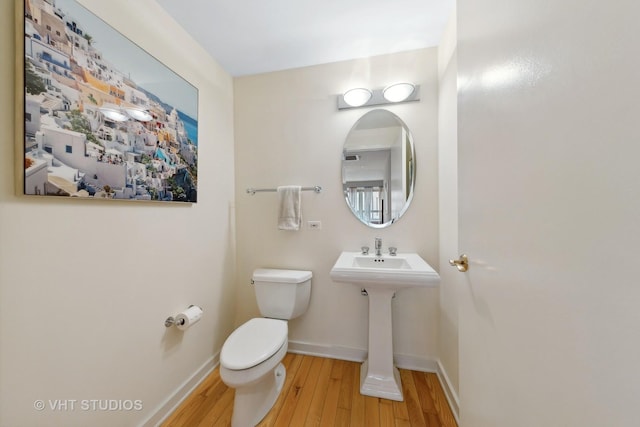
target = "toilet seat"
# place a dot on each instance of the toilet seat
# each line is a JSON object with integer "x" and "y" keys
{"x": 253, "y": 343}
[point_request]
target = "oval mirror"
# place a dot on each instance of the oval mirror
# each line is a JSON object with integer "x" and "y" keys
{"x": 378, "y": 168}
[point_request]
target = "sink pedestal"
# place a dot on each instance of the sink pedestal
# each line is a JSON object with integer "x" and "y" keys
{"x": 378, "y": 376}
{"x": 382, "y": 276}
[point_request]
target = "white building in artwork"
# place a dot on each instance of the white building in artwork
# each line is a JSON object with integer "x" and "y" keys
{"x": 36, "y": 176}
{"x": 32, "y": 114}
{"x": 49, "y": 57}
{"x": 135, "y": 96}
{"x": 189, "y": 153}
{"x": 69, "y": 148}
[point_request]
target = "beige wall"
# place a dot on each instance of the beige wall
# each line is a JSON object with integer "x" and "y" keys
{"x": 85, "y": 287}
{"x": 448, "y": 226}
{"x": 289, "y": 131}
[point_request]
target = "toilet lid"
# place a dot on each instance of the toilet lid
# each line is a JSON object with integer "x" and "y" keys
{"x": 253, "y": 343}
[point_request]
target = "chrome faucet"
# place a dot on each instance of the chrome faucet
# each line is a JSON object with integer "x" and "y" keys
{"x": 378, "y": 246}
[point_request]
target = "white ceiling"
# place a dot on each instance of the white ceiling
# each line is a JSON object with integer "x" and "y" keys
{"x": 258, "y": 36}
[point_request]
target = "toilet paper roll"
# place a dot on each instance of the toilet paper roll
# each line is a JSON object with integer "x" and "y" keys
{"x": 191, "y": 315}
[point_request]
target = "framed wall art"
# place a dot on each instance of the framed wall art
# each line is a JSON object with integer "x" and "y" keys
{"x": 102, "y": 117}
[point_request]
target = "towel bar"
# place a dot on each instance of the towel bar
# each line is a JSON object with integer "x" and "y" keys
{"x": 253, "y": 191}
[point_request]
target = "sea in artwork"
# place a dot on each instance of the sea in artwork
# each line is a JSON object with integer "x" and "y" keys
{"x": 190, "y": 125}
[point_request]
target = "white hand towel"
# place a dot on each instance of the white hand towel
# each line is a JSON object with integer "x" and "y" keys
{"x": 290, "y": 216}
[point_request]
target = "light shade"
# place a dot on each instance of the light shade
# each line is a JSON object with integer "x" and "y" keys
{"x": 357, "y": 97}
{"x": 117, "y": 114}
{"x": 114, "y": 115}
{"x": 398, "y": 92}
{"x": 141, "y": 115}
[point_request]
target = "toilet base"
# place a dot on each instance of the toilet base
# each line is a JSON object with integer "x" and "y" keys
{"x": 253, "y": 403}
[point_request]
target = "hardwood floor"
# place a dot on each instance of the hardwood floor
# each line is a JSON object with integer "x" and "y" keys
{"x": 323, "y": 392}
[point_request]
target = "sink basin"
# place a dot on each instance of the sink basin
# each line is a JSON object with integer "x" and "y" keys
{"x": 382, "y": 276}
{"x": 393, "y": 272}
{"x": 380, "y": 262}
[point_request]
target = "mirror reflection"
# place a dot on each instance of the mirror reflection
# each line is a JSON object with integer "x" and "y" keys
{"x": 378, "y": 168}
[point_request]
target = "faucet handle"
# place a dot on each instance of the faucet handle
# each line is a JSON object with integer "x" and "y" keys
{"x": 365, "y": 250}
{"x": 393, "y": 251}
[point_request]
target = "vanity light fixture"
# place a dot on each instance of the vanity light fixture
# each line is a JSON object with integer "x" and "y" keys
{"x": 138, "y": 114}
{"x": 114, "y": 115}
{"x": 357, "y": 97}
{"x": 398, "y": 92}
{"x": 393, "y": 94}
{"x": 124, "y": 114}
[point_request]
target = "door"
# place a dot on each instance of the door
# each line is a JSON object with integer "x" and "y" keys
{"x": 549, "y": 212}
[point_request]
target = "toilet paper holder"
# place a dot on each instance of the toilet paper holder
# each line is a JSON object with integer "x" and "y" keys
{"x": 171, "y": 320}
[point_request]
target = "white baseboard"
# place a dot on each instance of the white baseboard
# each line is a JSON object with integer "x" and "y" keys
{"x": 182, "y": 392}
{"x": 332, "y": 352}
{"x": 449, "y": 392}
{"x": 414, "y": 363}
{"x": 403, "y": 361}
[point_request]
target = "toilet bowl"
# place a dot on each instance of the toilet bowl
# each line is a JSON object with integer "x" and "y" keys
{"x": 250, "y": 360}
{"x": 250, "y": 363}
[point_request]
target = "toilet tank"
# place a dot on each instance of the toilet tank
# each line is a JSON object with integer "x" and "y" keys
{"x": 282, "y": 294}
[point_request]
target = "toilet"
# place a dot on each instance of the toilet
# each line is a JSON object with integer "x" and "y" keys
{"x": 250, "y": 360}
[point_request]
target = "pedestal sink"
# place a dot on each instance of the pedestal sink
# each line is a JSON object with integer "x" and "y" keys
{"x": 382, "y": 276}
